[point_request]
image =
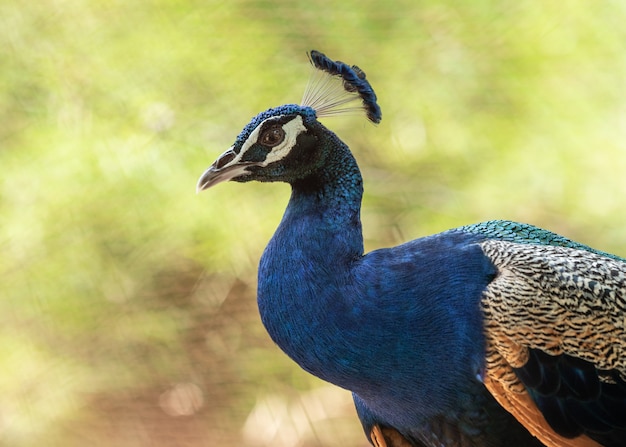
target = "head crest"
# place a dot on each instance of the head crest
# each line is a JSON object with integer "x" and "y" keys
{"x": 334, "y": 85}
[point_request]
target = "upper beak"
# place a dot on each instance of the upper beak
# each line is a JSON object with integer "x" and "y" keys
{"x": 225, "y": 168}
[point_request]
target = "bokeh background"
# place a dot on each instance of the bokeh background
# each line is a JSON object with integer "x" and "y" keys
{"x": 127, "y": 307}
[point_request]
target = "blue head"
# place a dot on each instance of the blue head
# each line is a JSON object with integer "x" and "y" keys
{"x": 288, "y": 143}
{"x": 280, "y": 144}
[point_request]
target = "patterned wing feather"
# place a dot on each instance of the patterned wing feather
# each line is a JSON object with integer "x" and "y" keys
{"x": 556, "y": 341}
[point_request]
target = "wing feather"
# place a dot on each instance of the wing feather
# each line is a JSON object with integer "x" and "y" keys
{"x": 555, "y": 321}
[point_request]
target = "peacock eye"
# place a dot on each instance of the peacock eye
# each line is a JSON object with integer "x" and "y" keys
{"x": 272, "y": 136}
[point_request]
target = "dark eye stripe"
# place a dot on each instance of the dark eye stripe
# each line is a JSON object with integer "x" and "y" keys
{"x": 256, "y": 154}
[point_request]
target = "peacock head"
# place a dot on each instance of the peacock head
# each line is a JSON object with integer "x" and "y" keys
{"x": 286, "y": 143}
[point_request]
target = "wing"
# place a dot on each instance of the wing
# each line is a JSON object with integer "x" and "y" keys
{"x": 555, "y": 322}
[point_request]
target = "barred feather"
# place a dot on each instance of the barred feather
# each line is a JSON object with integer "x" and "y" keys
{"x": 556, "y": 332}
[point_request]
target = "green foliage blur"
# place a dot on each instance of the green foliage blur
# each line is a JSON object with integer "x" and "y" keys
{"x": 127, "y": 302}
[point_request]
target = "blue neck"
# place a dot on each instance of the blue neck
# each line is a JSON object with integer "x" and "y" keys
{"x": 307, "y": 264}
{"x": 328, "y": 203}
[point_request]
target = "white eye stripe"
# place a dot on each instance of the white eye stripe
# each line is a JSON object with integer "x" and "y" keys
{"x": 292, "y": 129}
{"x": 252, "y": 138}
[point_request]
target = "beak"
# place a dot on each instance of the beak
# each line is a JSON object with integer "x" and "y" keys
{"x": 225, "y": 168}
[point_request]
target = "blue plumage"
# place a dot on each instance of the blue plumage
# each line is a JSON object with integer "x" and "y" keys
{"x": 495, "y": 334}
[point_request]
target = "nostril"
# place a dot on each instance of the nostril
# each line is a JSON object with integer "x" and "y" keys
{"x": 224, "y": 160}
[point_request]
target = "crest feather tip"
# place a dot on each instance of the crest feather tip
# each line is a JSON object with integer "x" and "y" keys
{"x": 327, "y": 100}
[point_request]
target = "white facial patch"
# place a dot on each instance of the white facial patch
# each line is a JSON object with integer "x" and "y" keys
{"x": 292, "y": 129}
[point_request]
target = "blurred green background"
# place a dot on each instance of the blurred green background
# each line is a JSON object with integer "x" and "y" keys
{"x": 127, "y": 310}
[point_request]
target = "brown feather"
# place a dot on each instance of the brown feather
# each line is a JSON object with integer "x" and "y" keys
{"x": 557, "y": 300}
{"x": 387, "y": 437}
{"x": 502, "y": 383}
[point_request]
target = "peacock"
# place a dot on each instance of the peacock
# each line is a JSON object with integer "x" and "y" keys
{"x": 494, "y": 334}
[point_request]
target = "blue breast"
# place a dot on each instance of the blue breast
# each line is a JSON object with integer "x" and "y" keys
{"x": 384, "y": 325}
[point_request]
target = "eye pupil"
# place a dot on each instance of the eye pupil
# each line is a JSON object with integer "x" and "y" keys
{"x": 273, "y": 136}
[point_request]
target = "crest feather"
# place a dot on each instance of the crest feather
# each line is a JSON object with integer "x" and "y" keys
{"x": 334, "y": 85}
